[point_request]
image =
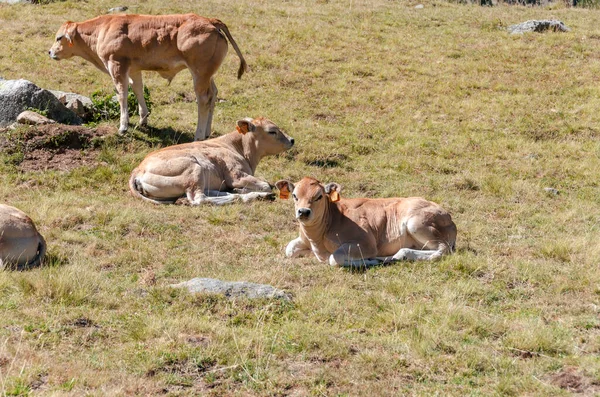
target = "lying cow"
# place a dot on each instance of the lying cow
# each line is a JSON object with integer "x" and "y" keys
{"x": 124, "y": 45}
{"x": 21, "y": 245}
{"x": 365, "y": 232}
{"x": 216, "y": 171}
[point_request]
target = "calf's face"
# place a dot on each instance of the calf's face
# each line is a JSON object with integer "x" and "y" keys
{"x": 268, "y": 137}
{"x": 311, "y": 198}
{"x": 63, "y": 46}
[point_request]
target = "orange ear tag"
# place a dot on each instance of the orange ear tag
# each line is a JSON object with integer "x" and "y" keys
{"x": 334, "y": 196}
{"x": 284, "y": 194}
{"x": 241, "y": 131}
{"x": 70, "y": 43}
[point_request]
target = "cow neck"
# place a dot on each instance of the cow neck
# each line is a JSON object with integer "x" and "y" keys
{"x": 246, "y": 145}
{"x": 87, "y": 43}
{"x": 317, "y": 231}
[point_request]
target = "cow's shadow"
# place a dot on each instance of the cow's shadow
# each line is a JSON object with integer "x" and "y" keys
{"x": 164, "y": 136}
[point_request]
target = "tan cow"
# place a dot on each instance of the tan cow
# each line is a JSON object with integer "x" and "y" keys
{"x": 218, "y": 171}
{"x": 365, "y": 232}
{"x": 21, "y": 245}
{"x": 124, "y": 45}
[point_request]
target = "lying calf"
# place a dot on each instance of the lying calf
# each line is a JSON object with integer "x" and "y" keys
{"x": 216, "y": 171}
{"x": 365, "y": 232}
{"x": 21, "y": 245}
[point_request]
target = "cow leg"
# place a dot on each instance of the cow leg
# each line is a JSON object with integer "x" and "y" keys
{"x": 202, "y": 90}
{"x": 428, "y": 237}
{"x": 119, "y": 73}
{"x": 249, "y": 183}
{"x": 296, "y": 248}
{"x": 137, "y": 85}
{"x": 353, "y": 255}
{"x": 199, "y": 197}
{"x": 213, "y": 99}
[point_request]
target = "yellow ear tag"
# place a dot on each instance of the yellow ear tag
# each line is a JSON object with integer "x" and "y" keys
{"x": 241, "y": 131}
{"x": 284, "y": 194}
{"x": 334, "y": 196}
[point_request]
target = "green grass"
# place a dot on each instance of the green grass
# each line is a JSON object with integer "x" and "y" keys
{"x": 386, "y": 100}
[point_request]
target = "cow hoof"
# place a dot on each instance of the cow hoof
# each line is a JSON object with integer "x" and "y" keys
{"x": 267, "y": 197}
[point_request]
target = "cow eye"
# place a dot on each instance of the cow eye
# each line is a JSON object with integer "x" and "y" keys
{"x": 272, "y": 132}
{"x": 294, "y": 196}
{"x": 318, "y": 198}
{"x": 59, "y": 38}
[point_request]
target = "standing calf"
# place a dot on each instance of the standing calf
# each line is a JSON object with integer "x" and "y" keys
{"x": 20, "y": 243}
{"x": 218, "y": 171}
{"x": 365, "y": 232}
{"x": 124, "y": 45}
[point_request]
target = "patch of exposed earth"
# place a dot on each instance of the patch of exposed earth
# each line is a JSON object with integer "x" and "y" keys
{"x": 53, "y": 146}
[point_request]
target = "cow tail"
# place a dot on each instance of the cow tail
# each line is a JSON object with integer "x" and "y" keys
{"x": 137, "y": 191}
{"x": 223, "y": 28}
{"x": 41, "y": 252}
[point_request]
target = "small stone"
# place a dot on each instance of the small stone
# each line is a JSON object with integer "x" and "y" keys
{"x": 419, "y": 6}
{"x": 33, "y": 118}
{"x": 233, "y": 289}
{"x": 538, "y": 26}
{"x": 118, "y": 9}
{"x": 551, "y": 190}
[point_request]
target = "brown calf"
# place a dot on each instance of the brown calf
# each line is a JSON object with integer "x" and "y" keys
{"x": 365, "y": 232}
{"x": 124, "y": 45}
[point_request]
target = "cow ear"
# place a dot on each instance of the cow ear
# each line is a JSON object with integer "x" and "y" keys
{"x": 70, "y": 32}
{"x": 333, "y": 190}
{"x": 285, "y": 188}
{"x": 245, "y": 125}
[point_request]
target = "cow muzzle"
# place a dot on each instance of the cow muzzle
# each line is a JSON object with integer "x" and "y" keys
{"x": 303, "y": 213}
{"x": 53, "y": 55}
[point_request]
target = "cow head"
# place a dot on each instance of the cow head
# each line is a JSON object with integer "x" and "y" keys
{"x": 268, "y": 138}
{"x": 311, "y": 198}
{"x": 63, "y": 46}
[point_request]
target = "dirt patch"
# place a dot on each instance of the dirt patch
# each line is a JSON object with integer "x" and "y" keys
{"x": 574, "y": 381}
{"x": 53, "y": 146}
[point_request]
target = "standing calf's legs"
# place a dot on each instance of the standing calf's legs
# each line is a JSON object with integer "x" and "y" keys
{"x": 118, "y": 71}
{"x": 138, "y": 89}
{"x": 202, "y": 90}
{"x": 211, "y": 107}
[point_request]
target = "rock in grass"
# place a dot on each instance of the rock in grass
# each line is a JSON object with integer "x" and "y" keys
{"x": 233, "y": 289}
{"x": 17, "y": 96}
{"x": 33, "y": 118}
{"x": 538, "y": 26}
{"x": 552, "y": 191}
{"x": 81, "y": 105}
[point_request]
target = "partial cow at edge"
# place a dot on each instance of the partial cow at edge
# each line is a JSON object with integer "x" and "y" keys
{"x": 21, "y": 245}
{"x": 124, "y": 45}
{"x": 217, "y": 171}
{"x": 365, "y": 232}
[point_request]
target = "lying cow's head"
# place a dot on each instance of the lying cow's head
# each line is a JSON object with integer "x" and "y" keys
{"x": 63, "y": 46}
{"x": 268, "y": 137}
{"x": 311, "y": 198}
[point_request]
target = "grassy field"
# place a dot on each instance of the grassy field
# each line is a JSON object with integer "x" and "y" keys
{"x": 383, "y": 98}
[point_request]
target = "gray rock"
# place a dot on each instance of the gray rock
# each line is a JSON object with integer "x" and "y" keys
{"x": 33, "y": 118}
{"x": 118, "y": 9}
{"x": 233, "y": 289}
{"x": 538, "y": 26}
{"x": 78, "y": 104}
{"x": 552, "y": 191}
{"x": 18, "y": 95}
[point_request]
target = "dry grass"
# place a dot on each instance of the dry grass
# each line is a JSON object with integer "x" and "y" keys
{"x": 385, "y": 99}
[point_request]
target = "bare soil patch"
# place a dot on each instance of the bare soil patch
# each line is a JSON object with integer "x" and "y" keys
{"x": 54, "y": 146}
{"x": 574, "y": 381}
